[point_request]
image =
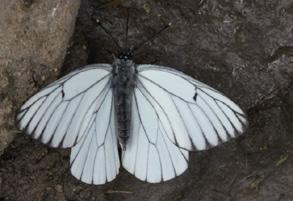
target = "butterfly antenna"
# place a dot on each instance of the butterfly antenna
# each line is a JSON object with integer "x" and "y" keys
{"x": 108, "y": 33}
{"x": 137, "y": 47}
{"x": 126, "y": 32}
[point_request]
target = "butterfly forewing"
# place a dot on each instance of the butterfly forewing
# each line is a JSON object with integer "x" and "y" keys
{"x": 59, "y": 113}
{"x": 216, "y": 117}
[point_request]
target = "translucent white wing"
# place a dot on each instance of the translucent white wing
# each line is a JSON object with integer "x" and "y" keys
{"x": 60, "y": 114}
{"x": 172, "y": 114}
{"x": 149, "y": 154}
{"x": 193, "y": 115}
{"x": 95, "y": 160}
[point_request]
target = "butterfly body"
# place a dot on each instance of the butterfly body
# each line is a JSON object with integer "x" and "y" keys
{"x": 123, "y": 83}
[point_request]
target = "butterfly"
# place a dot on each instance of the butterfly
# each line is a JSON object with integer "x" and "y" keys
{"x": 155, "y": 114}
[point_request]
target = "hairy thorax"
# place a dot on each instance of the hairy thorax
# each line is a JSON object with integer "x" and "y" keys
{"x": 123, "y": 85}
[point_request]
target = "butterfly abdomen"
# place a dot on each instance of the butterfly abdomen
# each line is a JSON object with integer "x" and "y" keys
{"x": 123, "y": 86}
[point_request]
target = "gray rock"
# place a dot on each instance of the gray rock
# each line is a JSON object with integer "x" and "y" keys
{"x": 33, "y": 37}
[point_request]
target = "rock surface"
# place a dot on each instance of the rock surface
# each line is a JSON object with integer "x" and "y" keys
{"x": 242, "y": 48}
{"x": 33, "y": 37}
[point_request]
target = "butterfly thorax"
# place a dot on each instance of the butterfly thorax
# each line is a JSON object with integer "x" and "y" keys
{"x": 123, "y": 83}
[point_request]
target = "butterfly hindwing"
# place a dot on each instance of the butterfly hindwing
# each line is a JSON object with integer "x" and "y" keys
{"x": 95, "y": 160}
{"x": 149, "y": 154}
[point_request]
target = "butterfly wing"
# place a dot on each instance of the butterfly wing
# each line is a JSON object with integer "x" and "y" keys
{"x": 149, "y": 154}
{"x": 173, "y": 114}
{"x": 95, "y": 160}
{"x": 77, "y": 111}
{"x": 59, "y": 115}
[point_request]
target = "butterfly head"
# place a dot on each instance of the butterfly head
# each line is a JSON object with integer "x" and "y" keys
{"x": 125, "y": 55}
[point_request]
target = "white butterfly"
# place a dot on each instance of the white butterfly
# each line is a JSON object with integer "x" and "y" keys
{"x": 157, "y": 114}
{"x": 170, "y": 115}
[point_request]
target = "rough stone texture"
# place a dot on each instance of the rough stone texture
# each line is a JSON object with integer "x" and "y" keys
{"x": 243, "y": 48}
{"x": 33, "y": 37}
